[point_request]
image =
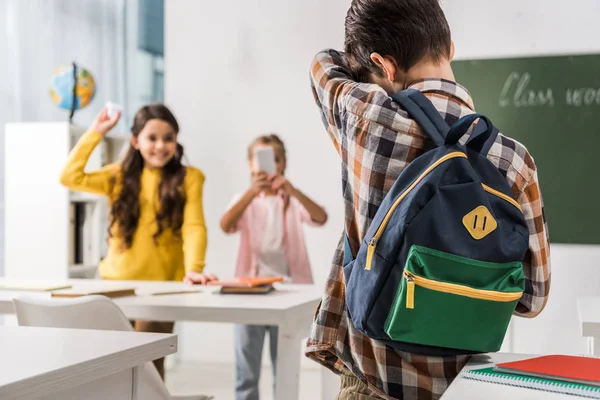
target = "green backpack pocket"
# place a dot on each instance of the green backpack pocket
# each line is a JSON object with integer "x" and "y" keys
{"x": 450, "y": 301}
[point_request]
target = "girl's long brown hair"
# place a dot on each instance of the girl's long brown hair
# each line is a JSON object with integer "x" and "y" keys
{"x": 125, "y": 210}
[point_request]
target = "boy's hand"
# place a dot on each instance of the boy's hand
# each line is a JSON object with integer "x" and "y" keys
{"x": 103, "y": 124}
{"x": 194, "y": 278}
{"x": 260, "y": 182}
{"x": 278, "y": 182}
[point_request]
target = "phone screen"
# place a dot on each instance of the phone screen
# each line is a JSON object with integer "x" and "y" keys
{"x": 265, "y": 160}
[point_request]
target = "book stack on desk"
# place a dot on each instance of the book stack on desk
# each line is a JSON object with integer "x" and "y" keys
{"x": 255, "y": 285}
{"x": 33, "y": 286}
{"x": 576, "y": 376}
{"x": 111, "y": 293}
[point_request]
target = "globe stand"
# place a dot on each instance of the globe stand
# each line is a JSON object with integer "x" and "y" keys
{"x": 74, "y": 102}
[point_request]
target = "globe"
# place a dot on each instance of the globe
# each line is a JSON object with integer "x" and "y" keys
{"x": 61, "y": 87}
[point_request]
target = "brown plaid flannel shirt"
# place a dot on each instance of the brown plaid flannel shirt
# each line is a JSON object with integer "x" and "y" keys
{"x": 376, "y": 140}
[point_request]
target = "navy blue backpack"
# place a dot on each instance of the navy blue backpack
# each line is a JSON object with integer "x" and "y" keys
{"x": 440, "y": 269}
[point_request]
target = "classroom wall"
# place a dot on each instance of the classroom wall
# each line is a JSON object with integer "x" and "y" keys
{"x": 235, "y": 70}
{"x": 240, "y": 68}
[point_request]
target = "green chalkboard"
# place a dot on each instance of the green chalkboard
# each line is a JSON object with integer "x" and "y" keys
{"x": 552, "y": 106}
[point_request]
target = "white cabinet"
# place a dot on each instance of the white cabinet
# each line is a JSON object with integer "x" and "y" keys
{"x": 51, "y": 232}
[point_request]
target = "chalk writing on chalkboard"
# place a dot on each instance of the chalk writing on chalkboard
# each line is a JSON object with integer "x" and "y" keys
{"x": 517, "y": 92}
{"x": 552, "y": 106}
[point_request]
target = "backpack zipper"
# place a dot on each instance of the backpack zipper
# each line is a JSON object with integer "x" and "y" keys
{"x": 453, "y": 288}
{"x": 410, "y": 291}
{"x": 501, "y": 195}
{"x": 388, "y": 215}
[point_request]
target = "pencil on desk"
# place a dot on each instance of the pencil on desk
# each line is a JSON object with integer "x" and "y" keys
{"x": 173, "y": 292}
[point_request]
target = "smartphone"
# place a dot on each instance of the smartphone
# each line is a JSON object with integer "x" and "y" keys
{"x": 264, "y": 157}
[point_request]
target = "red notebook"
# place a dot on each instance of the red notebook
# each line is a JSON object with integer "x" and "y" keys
{"x": 583, "y": 370}
{"x": 248, "y": 282}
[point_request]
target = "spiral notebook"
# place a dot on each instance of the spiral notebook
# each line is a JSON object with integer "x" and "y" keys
{"x": 585, "y": 370}
{"x": 558, "y": 374}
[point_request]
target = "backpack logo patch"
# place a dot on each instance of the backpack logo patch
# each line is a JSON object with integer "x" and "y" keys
{"x": 479, "y": 223}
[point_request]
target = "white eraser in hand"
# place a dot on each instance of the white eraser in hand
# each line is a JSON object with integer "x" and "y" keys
{"x": 112, "y": 109}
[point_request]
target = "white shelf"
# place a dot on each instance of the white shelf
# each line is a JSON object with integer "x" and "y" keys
{"x": 80, "y": 271}
{"x": 84, "y": 197}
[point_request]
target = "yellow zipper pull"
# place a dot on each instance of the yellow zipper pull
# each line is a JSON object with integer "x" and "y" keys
{"x": 370, "y": 253}
{"x": 410, "y": 292}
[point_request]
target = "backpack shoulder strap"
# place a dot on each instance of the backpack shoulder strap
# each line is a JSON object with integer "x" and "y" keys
{"x": 348, "y": 256}
{"x": 422, "y": 110}
{"x": 482, "y": 137}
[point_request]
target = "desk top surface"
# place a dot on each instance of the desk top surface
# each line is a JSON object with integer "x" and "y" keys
{"x": 44, "y": 359}
{"x": 198, "y": 303}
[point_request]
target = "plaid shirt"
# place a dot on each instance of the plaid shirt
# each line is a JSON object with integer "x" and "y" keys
{"x": 376, "y": 140}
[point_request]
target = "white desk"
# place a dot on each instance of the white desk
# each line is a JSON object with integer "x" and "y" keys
{"x": 291, "y": 307}
{"x": 469, "y": 389}
{"x": 589, "y": 318}
{"x": 53, "y": 363}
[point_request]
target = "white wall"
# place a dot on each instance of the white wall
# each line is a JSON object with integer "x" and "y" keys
{"x": 490, "y": 29}
{"x": 237, "y": 69}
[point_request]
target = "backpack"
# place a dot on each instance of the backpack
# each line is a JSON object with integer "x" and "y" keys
{"x": 439, "y": 271}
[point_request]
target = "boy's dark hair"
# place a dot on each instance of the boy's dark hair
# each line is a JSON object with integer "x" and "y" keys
{"x": 408, "y": 30}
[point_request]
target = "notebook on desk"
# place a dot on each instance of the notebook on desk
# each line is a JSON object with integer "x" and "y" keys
{"x": 112, "y": 293}
{"x": 32, "y": 286}
{"x": 259, "y": 289}
{"x": 584, "y": 370}
{"x": 247, "y": 285}
{"x": 247, "y": 282}
{"x": 579, "y": 376}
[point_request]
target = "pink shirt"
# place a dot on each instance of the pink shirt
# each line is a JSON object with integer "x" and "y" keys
{"x": 252, "y": 226}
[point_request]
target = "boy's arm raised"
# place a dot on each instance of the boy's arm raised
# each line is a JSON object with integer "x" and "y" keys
{"x": 340, "y": 98}
{"x": 331, "y": 80}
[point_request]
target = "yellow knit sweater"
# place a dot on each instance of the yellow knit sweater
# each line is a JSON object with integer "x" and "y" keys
{"x": 144, "y": 260}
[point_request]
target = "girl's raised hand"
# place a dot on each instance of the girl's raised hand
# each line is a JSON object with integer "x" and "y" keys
{"x": 103, "y": 123}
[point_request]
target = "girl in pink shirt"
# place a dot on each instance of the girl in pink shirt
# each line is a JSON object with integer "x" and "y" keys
{"x": 269, "y": 218}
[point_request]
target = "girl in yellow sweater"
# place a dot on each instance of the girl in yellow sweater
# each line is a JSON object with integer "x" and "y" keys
{"x": 156, "y": 229}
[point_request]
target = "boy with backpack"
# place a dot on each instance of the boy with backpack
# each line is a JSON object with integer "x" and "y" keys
{"x": 445, "y": 234}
